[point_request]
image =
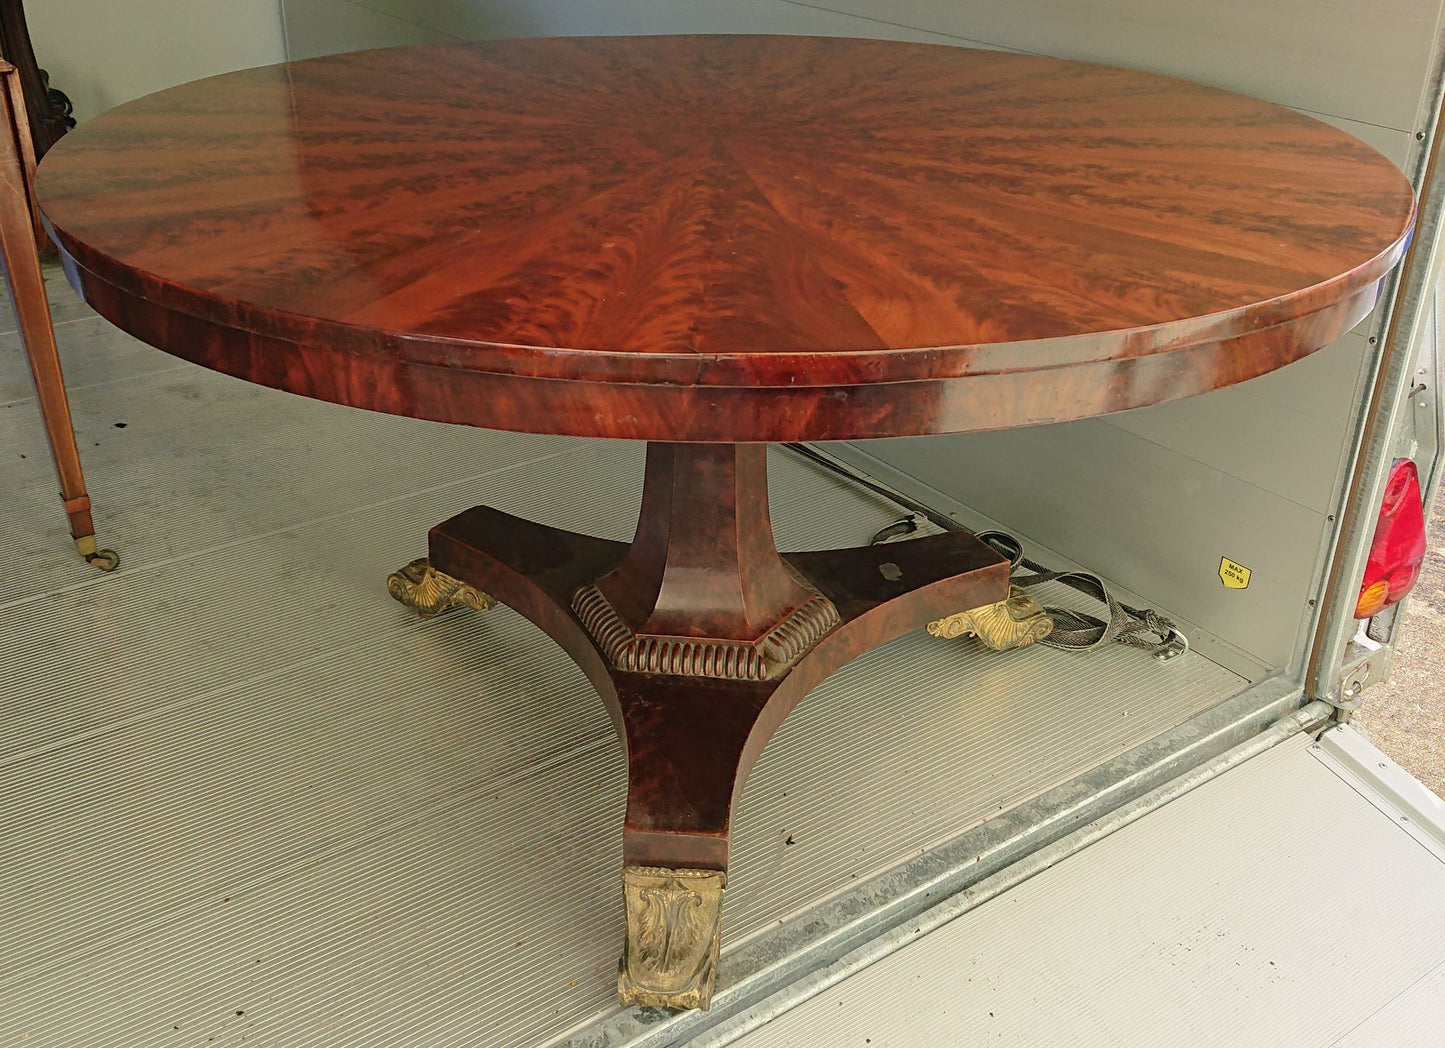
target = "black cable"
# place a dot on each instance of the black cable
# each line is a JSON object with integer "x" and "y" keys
{"x": 943, "y": 521}
{"x": 1001, "y": 542}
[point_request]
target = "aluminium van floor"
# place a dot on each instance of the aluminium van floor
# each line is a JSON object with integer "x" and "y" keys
{"x": 1283, "y": 903}
{"x": 247, "y": 798}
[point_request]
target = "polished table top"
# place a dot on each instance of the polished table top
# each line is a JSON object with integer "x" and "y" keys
{"x": 724, "y": 238}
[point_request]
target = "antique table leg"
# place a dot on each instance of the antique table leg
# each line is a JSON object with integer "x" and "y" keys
{"x": 701, "y": 637}
{"x": 20, "y": 232}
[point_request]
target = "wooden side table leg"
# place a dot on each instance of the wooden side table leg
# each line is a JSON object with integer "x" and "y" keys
{"x": 18, "y": 235}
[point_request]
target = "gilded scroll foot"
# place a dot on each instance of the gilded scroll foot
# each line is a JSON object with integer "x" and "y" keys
{"x": 674, "y": 920}
{"x": 1013, "y": 623}
{"x": 421, "y": 587}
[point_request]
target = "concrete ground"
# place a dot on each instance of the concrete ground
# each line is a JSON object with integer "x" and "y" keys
{"x": 1405, "y": 716}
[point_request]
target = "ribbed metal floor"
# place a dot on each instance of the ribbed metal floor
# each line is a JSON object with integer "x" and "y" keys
{"x": 246, "y": 796}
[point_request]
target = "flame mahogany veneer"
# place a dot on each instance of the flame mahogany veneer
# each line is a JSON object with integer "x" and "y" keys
{"x": 709, "y": 243}
{"x": 724, "y": 238}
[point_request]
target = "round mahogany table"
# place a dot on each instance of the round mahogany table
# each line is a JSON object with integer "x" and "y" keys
{"x": 710, "y": 243}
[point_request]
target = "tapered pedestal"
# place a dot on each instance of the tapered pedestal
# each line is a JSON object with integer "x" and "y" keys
{"x": 701, "y": 637}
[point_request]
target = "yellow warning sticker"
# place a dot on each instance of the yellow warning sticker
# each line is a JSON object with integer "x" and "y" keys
{"x": 1233, "y": 574}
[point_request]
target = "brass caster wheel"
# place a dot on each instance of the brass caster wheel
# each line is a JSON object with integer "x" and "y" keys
{"x": 106, "y": 560}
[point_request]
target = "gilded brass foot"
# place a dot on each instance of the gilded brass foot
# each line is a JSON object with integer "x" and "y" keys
{"x": 1013, "y": 623}
{"x": 674, "y": 920}
{"x": 429, "y": 592}
{"x": 104, "y": 559}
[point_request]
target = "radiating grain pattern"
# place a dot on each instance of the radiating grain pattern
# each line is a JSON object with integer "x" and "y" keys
{"x": 724, "y": 238}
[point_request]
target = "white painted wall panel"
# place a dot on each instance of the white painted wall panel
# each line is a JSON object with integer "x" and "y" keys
{"x": 1288, "y": 416}
{"x": 328, "y": 27}
{"x": 1364, "y": 60}
{"x": 478, "y": 19}
{"x": 103, "y": 54}
{"x": 318, "y": 26}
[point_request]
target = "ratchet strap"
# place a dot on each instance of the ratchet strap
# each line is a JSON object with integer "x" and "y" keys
{"x": 1074, "y": 630}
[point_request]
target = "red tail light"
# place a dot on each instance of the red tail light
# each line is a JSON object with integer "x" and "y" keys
{"x": 1399, "y": 546}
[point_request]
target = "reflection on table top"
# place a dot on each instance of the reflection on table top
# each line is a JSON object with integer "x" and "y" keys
{"x": 736, "y": 212}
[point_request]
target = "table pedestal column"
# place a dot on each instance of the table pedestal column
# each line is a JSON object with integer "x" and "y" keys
{"x": 700, "y": 637}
